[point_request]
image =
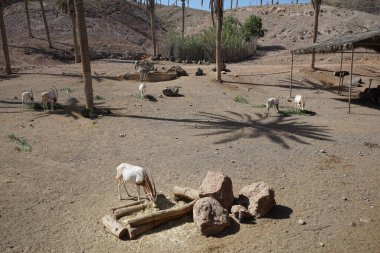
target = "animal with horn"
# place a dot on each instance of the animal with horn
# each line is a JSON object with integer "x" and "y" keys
{"x": 51, "y": 97}
{"x": 128, "y": 173}
{"x": 27, "y": 98}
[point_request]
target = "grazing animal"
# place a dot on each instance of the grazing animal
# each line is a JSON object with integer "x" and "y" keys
{"x": 126, "y": 172}
{"x": 142, "y": 88}
{"x": 299, "y": 101}
{"x": 143, "y": 67}
{"x": 27, "y": 98}
{"x": 49, "y": 97}
{"x": 272, "y": 102}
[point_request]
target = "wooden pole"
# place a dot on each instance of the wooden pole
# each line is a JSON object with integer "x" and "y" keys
{"x": 127, "y": 205}
{"x": 129, "y": 210}
{"x": 135, "y": 231}
{"x": 291, "y": 76}
{"x": 161, "y": 215}
{"x": 115, "y": 227}
{"x": 186, "y": 193}
{"x": 352, "y": 67}
{"x": 340, "y": 87}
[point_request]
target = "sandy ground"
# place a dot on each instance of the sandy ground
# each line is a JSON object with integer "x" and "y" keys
{"x": 53, "y": 198}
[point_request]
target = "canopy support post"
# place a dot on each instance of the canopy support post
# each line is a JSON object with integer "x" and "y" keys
{"x": 291, "y": 76}
{"x": 350, "y": 90}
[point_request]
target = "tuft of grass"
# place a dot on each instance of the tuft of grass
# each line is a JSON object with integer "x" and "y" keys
{"x": 259, "y": 106}
{"x": 22, "y": 143}
{"x": 240, "y": 99}
{"x": 97, "y": 97}
{"x": 89, "y": 113}
{"x": 295, "y": 111}
{"x": 68, "y": 90}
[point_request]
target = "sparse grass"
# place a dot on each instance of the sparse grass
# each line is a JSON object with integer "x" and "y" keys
{"x": 97, "y": 97}
{"x": 240, "y": 99}
{"x": 89, "y": 113}
{"x": 259, "y": 106}
{"x": 22, "y": 143}
{"x": 295, "y": 111}
{"x": 68, "y": 90}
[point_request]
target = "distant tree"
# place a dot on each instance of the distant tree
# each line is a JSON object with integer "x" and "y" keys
{"x": 28, "y": 18}
{"x": 4, "y": 40}
{"x": 85, "y": 54}
{"x": 45, "y": 23}
{"x": 253, "y": 27}
{"x": 316, "y": 6}
{"x": 151, "y": 11}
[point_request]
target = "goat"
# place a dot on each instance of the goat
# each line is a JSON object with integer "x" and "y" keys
{"x": 143, "y": 67}
{"x": 27, "y": 98}
{"x": 272, "y": 102}
{"x": 49, "y": 97}
{"x": 126, "y": 172}
{"x": 300, "y": 102}
{"x": 142, "y": 88}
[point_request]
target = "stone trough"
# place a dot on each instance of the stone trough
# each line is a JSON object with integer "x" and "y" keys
{"x": 152, "y": 76}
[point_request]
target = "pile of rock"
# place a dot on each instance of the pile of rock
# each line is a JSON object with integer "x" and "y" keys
{"x": 211, "y": 211}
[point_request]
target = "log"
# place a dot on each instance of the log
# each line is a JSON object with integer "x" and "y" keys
{"x": 127, "y": 205}
{"x": 135, "y": 231}
{"x": 129, "y": 210}
{"x": 186, "y": 193}
{"x": 161, "y": 215}
{"x": 115, "y": 227}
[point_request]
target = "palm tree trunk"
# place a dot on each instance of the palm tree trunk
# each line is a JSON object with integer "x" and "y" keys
{"x": 74, "y": 27}
{"x": 85, "y": 55}
{"x": 183, "y": 19}
{"x": 152, "y": 27}
{"x": 218, "y": 49}
{"x": 261, "y": 2}
{"x": 28, "y": 18}
{"x": 231, "y": 5}
{"x": 237, "y": 4}
{"x": 317, "y": 6}
{"x": 45, "y": 23}
{"x": 4, "y": 40}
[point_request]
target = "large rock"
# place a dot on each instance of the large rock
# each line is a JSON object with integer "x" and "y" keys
{"x": 258, "y": 198}
{"x": 210, "y": 217}
{"x": 219, "y": 187}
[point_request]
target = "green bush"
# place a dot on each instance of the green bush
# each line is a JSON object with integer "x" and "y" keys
{"x": 238, "y": 41}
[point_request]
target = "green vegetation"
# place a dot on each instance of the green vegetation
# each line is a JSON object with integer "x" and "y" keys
{"x": 68, "y": 90}
{"x": 241, "y": 99}
{"x": 22, "y": 143}
{"x": 97, "y": 97}
{"x": 294, "y": 111}
{"x": 238, "y": 41}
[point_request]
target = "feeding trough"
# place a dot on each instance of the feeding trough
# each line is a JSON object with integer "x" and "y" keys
{"x": 151, "y": 77}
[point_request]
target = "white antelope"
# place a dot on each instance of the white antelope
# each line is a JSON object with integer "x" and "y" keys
{"x": 142, "y": 88}
{"x": 27, "y": 98}
{"x": 300, "y": 102}
{"x": 128, "y": 173}
{"x": 272, "y": 102}
{"x": 49, "y": 97}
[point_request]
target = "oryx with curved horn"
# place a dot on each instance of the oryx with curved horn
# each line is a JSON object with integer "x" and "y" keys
{"x": 128, "y": 173}
{"x": 27, "y": 98}
{"x": 51, "y": 97}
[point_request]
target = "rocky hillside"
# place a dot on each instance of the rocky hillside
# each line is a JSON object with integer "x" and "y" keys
{"x": 120, "y": 29}
{"x": 370, "y": 6}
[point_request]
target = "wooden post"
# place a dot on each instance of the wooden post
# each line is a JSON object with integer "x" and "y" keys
{"x": 352, "y": 67}
{"x": 291, "y": 76}
{"x": 115, "y": 227}
{"x": 340, "y": 87}
{"x": 129, "y": 210}
{"x": 161, "y": 215}
{"x": 186, "y": 193}
{"x": 127, "y": 205}
{"x": 135, "y": 231}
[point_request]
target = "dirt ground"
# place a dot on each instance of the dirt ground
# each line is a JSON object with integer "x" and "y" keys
{"x": 53, "y": 198}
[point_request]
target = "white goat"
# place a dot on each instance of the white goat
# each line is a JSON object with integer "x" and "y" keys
{"x": 142, "y": 88}
{"x": 27, "y": 98}
{"x": 300, "y": 102}
{"x": 49, "y": 97}
{"x": 126, "y": 172}
{"x": 272, "y": 102}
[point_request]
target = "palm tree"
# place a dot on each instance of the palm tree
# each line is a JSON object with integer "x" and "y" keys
{"x": 4, "y": 40}
{"x": 28, "y": 18}
{"x": 231, "y": 4}
{"x": 150, "y": 6}
{"x": 67, "y": 6}
{"x": 316, "y": 6}
{"x": 237, "y": 4}
{"x": 216, "y": 7}
{"x": 45, "y": 23}
{"x": 85, "y": 55}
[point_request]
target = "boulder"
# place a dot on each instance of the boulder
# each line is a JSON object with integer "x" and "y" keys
{"x": 240, "y": 212}
{"x": 170, "y": 91}
{"x": 219, "y": 187}
{"x": 210, "y": 217}
{"x": 258, "y": 198}
{"x": 199, "y": 72}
